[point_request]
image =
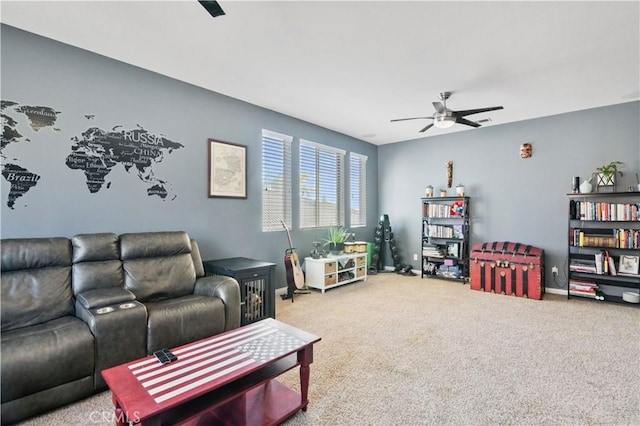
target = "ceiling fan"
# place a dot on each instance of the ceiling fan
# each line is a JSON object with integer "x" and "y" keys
{"x": 213, "y": 7}
{"x": 445, "y": 118}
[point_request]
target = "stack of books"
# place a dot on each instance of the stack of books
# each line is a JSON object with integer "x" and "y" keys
{"x": 583, "y": 289}
{"x": 583, "y": 265}
{"x": 433, "y": 250}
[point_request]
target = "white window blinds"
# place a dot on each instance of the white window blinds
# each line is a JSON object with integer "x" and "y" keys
{"x": 358, "y": 189}
{"x": 321, "y": 185}
{"x": 276, "y": 180}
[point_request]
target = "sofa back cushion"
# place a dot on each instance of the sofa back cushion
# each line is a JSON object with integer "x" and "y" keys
{"x": 36, "y": 281}
{"x": 96, "y": 262}
{"x": 157, "y": 265}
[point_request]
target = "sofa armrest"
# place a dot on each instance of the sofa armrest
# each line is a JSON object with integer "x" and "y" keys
{"x": 104, "y": 297}
{"x": 228, "y": 290}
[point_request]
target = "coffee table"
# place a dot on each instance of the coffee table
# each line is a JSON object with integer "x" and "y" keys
{"x": 228, "y": 378}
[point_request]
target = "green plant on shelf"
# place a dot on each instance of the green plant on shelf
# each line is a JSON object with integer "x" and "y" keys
{"x": 608, "y": 172}
{"x": 336, "y": 235}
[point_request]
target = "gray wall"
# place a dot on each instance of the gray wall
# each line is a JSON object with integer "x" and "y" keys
{"x": 39, "y": 71}
{"x": 512, "y": 199}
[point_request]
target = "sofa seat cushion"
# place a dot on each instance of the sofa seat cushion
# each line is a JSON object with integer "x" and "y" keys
{"x": 181, "y": 320}
{"x": 46, "y": 355}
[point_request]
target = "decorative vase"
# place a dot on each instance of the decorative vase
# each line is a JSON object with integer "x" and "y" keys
{"x": 460, "y": 190}
{"x": 443, "y": 193}
{"x": 586, "y": 187}
{"x": 428, "y": 192}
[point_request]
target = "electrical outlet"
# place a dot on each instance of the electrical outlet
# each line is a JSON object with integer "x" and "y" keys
{"x": 554, "y": 270}
{"x": 415, "y": 256}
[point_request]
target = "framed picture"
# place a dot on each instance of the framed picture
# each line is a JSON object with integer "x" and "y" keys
{"x": 227, "y": 170}
{"x": 453, "y": 250}
{"x": 629, "y": 265}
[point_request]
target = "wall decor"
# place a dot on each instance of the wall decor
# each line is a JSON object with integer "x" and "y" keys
{"x": 227, "y": 169}
{"x": 629, "y": 265}
{"x": 526, "y": 150}
{"x": 449, "y": 173}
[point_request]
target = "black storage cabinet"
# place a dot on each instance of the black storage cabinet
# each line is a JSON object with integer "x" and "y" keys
{"x": 256, "y": 279}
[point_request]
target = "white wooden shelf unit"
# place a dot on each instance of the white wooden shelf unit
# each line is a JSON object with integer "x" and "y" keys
{"x": 334, "y": 271}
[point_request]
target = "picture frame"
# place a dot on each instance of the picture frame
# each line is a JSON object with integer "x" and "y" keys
{"x": 227, "y": 169}
{"x": 453, "y": 250}
{"x": 629, "y": 265}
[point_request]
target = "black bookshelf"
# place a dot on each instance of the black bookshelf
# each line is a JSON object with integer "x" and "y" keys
{"x": 607, "y": 224}
{"x": 445, "y": 238}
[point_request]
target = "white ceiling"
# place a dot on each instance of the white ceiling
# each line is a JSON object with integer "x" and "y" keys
{"x": 353, "y": 66}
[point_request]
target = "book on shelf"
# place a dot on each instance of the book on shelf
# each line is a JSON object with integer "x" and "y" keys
{"x": 598, "y": 262}
{"x": 444, "y": 231}
{"x": 607, "y": 211}
{"x": 583, "y": 288}
{"x": 582, "y": 265}
{"x": 433, "y": 250}
{"x": 582, "y": 293}
{"x": 611, "y": 264}
{"x": 443, "y": 211}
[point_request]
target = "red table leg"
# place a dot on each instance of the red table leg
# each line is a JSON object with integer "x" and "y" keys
{"x": 305, "y": 357}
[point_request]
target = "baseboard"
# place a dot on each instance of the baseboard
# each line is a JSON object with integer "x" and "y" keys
{"x": 555, "y": 290}
{"x": 550, "y": 290}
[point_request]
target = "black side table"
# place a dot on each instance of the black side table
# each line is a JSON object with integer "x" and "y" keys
{"x": 257, "y": 294}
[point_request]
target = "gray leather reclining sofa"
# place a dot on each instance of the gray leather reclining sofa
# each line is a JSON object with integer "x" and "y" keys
{"x": 73, "y": 307}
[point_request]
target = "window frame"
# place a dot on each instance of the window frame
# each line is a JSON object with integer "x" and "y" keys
{"x": 285, "y": 160}
{"x": 321, "y": 218}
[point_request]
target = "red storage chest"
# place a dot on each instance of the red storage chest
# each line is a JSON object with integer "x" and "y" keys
{"x": 508, "y": 268}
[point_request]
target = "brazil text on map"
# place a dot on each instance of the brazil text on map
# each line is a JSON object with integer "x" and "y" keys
{"x": 20, "y": 179}
{"x": 96, "y": 152}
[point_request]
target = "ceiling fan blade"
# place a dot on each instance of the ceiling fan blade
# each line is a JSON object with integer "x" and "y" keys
{"x": 475, "y": 111}
{"x": 212, "y": 7}
{"x": 413, "y": 118}
{"x": 426, "y": 128}
{"x": 467, "y": 122}
{"x": 439, "y": 107}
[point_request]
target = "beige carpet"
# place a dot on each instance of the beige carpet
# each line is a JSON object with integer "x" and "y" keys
{"x": 399, "y": 350}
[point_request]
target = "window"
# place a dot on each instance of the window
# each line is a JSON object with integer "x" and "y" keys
{"x": 276, "y": 180}
{"x": 358, "y": 186}
{"x": 321, "y": 185}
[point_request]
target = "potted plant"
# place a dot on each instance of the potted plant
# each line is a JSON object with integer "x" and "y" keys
{"x": 336, "y": 236}
{"x": 443, "y": 192}
{"x": 607, "y": 173}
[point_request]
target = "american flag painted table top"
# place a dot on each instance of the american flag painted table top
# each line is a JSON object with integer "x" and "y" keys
{"x": 145, "y": 387}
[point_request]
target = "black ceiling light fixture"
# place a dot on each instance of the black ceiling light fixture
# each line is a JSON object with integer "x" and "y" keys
{"x": 445, "y": 118}
{"x": 212, "y": 7}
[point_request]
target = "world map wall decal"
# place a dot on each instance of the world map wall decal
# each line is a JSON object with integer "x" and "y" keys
{"x": 95, "y": 152}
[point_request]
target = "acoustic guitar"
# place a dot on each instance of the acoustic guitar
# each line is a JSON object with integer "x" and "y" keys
{"x": 295, "y": 276}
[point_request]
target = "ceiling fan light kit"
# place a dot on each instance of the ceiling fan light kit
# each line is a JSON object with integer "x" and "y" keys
{"x": 444, "y": 121}
{"x": 445, "y": 118}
